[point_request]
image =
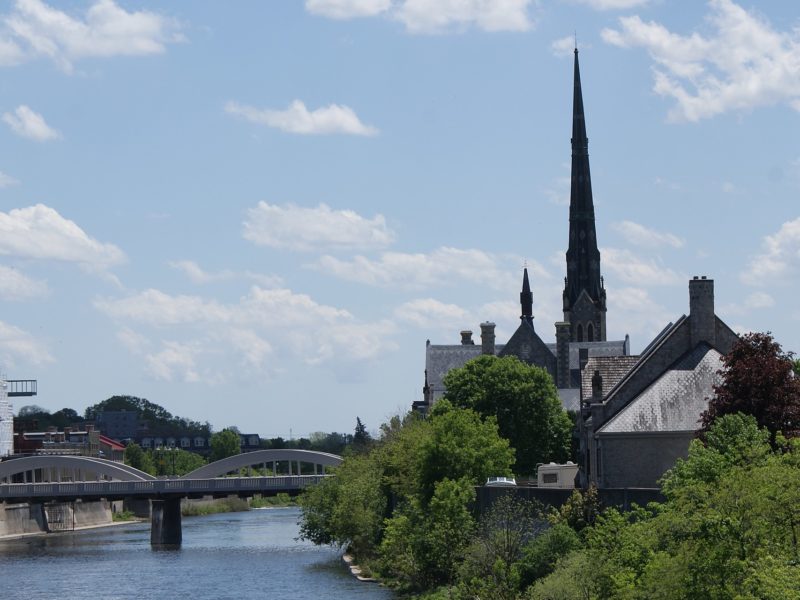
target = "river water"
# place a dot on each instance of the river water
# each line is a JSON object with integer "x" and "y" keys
{"x": 234, "y": 555}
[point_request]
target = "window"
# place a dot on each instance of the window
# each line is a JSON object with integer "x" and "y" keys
{"x": 580, "y": 333}
{"x": 549, "y": 477}
{"x": 590, "y": 333}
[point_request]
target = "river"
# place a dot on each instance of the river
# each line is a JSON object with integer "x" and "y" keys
{"x": 234, "y": 555}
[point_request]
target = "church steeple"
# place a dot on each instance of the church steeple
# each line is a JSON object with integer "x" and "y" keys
{"x": 586, "y": 312}
{"x": 526, "y": 298}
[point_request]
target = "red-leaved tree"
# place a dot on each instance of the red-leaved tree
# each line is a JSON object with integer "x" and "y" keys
{"x": 758, "y": 380}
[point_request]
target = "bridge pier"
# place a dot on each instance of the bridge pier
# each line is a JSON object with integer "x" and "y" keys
{"x": 165, "y": 523}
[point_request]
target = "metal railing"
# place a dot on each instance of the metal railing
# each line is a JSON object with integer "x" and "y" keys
{"x": 156, "y": 488}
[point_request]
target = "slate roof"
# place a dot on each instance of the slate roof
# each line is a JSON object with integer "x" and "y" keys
{"x": 676, "y": 399}
{"x": 570, "y": 399}
{"x": 439, "y": 359}
{"x": 610, "y": 348}
{"x": 612, "y": 370}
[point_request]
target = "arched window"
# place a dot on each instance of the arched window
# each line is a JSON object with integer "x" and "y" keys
{"x": 580, "y": 332}
{"x": 590, "y": 332}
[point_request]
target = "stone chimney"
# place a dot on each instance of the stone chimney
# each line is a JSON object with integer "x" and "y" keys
{"x": 562, "y": 355}
{"x": 597, "y": 386}
{"x": 466, "y": 338}
{"x": 702, "y": 322}
{"x": 487, "y": 338}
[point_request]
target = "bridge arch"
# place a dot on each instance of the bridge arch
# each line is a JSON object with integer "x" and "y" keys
{"x": 58, "y": 468}
{"x": 263, "y": 457}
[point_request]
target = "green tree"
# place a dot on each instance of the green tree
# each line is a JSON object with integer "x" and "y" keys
{"x": 461, "y": 445}
{"x": 225, "y": 443}
{"x": 524, "y": 401}
{"x": 361, "y": 437}
{"x": 138, "y": 459}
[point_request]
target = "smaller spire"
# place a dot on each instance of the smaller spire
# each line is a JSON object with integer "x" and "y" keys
{"x": 526, "y": 298}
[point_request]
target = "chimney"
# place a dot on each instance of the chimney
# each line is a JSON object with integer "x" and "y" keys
{"x": 89, "y": 427}
{"x": 702, "y": 322}
{"x": 562, "y": 355}
{"x": 597, "y": 386}
{"x": 487, "y": 338}
{"x": 466, "y": 338}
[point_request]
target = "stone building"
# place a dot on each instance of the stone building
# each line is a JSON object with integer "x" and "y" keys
{"x": 638, "y": 414}
{"x": 582, "y": 333}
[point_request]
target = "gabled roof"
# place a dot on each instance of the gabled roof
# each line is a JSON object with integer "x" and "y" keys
{"x": 612, "y": 369}
{"x": 676, "y": 399}
{"x": 439, "y": 359}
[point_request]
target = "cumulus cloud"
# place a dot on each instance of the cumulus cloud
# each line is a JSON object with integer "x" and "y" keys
{"x": 29, "y": 124}
{"x": 33, "y": 29}
{"x": 644, "y": 236}
{"x": 434, "y": 16}
{"x": 347, "y": 9}
{"x": 429, "y": 313}
{"x": 634, "y": 269}
{"x": 17, "y": 345}
{"x": 755, "y": 301}
{"x": 563, "y": 46}
{"x": 261, "y": 321}
{"x": 745, "y": 64}
{"x": 331, "y": 119}
{"x": 198, "y": 275}
{"x": 644, "y": 316}
{"x": 16, "y": 286}
{"x": 7, "y": 180}
{"x": 611, "y": 4}
{"x": 416, "y": 271}
{"x": 780, "y": 258}
{"x": 301, "y": 228}
{"x": 39, "y": 232}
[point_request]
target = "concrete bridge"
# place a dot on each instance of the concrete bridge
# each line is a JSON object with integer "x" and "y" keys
{"x": 39, "y": 479}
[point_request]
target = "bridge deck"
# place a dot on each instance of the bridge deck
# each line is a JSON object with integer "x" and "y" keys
{"x": 155, "y": 489}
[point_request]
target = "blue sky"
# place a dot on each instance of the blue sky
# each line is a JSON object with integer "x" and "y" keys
{"x": 255, "y": 213}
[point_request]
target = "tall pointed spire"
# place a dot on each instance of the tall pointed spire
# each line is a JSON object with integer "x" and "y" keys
{"x": 583, "y": 257}
{"x": 526, "y": 298}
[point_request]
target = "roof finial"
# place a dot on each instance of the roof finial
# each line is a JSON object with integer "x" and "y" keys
{"x": 576, "y": 40}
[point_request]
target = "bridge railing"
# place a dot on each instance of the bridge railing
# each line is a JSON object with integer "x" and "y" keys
{"x": 157, "y": 487}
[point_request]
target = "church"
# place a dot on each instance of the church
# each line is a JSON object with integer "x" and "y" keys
{"x": 582, "y": 333}
{"x": 635, "y": 415}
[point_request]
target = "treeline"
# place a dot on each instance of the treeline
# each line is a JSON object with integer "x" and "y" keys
{"x": 728, "y": 529}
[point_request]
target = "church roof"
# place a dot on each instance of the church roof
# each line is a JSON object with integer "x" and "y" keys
{"x": 676, "y": 399}
{"x": 612, "y": 369}
{"x": 439, "y": 359}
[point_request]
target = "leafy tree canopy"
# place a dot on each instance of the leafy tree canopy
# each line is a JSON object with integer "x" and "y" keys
{"x": 225, "y": 443}
{"x": 159, "y": 420}
{"x": 759, "y": 379}
{"x": 523, "y": 400}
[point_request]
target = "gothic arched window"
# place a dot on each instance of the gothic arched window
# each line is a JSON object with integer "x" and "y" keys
{"x": 590, "y": 333}
{"x": 580, "y": 332}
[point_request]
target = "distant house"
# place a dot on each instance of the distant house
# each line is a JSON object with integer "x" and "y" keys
{"x": 638, "y": 414}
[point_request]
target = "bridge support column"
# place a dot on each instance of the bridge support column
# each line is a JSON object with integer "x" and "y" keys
{"x": 165, "y": 523}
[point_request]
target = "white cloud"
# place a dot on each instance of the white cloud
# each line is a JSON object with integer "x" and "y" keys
{"x": 745, "y": 64}
{"x": 443, "y": 266}
{"x": 640, "y": 235}
{"x": 563, "y": 46}
{"x": 198, "y": 275}
{"x": 644, "y": 317}
{"x": 331, "y": 119}
{"x": 611, "y": 4}
{"x": 347, "y": 9}
{"x": 39, "y": 232}
{"x": 780, "y": 258}
{"x": 18, "y": 345}
{"x": 7, "y": 180}
{"x": 134, "y": 341}
{"x": 300, "y": 228}
{"x": 634, "y": 269}
{"x": 34, "y": 29}
{"x": 252, "y": 329}
{"x": 16, "y": 286}
{"x": 429, "y": 313}
{"x": 755, "y": 301}
{"x": 434, "y": 16}
{"x": 30, "y": 124}
{"x": 439, "y": 16}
